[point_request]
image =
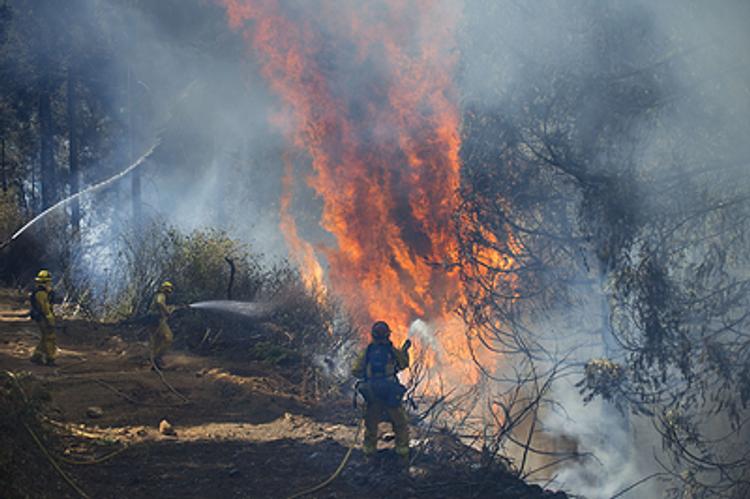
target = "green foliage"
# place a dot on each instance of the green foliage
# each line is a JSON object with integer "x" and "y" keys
{"x": 200, "y": 267}
{"x": 195, "y": 263}
{"x": 303, "y": 321}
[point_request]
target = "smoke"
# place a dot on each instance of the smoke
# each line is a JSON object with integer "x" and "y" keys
{"x": 697, "y": 52}
{"x": 421, "y": 330}
{"x": 598, "y": 428}
{"x": 219, "y": 163}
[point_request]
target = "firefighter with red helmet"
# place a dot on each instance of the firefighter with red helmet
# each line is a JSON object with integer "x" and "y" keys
{"x": 376, "y": 368}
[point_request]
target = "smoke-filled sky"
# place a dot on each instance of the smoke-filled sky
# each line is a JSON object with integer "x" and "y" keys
{"x": 233, "y": 151}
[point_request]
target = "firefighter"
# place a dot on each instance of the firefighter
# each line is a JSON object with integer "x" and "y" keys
{"x": 42, "y": 313}
{"x": 375, "y": 369}
{"x": 161, "y": 336}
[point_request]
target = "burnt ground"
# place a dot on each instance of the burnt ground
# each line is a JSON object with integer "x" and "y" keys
{"x": 241, "y": 429}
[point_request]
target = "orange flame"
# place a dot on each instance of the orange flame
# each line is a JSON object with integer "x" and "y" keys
{"x": 367, "y": 92}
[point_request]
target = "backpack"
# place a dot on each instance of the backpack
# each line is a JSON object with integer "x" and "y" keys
{"x": 379, "y": 386}
{"x": 35, "y": 312}
{"x": 377, "y": 357}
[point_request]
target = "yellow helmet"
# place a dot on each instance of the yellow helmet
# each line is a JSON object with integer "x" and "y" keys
{"x": 167, "y": 286}
{"x": 43, "y": 277}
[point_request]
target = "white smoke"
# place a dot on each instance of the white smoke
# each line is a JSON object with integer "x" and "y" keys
{"x": 425, "y": 333}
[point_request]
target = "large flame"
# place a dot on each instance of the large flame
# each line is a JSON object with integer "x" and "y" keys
{"x": 368, "y": 94}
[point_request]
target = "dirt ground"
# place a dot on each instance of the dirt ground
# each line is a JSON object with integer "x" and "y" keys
{"x": 239, "y": 429}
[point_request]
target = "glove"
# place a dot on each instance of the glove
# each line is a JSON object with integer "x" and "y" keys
{"x": 406, "y": 346}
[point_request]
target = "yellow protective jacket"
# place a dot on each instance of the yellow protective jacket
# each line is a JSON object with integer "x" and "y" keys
{"x": 362, "y": 371}
{"x": 160, "y": 305}
{"x": 41, "y": 296}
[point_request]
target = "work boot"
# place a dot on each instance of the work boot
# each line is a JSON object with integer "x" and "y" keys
{"x": 37, "y": 359}
{"x": 158, "y": 363}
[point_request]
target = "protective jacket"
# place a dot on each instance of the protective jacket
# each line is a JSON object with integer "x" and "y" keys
{"x": 41, "y": 305}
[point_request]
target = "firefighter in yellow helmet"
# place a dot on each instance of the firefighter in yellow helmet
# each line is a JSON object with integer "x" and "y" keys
{"x": 161, "y": 336}
{"x": 41, "y": 312}
{"x": 376, "y": 369}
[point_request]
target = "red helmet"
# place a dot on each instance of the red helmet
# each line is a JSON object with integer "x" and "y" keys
{"x": 380, "y": 330}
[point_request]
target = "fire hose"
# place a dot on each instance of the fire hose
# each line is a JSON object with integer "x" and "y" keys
{"x": 46, "y": 452}
{"x": 336, "y": 473}
{"x": 39, "y": 443}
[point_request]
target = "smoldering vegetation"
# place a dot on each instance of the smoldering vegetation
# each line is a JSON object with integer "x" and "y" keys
{"x": 604, "y": 159}
{"x": 603, "y": 146}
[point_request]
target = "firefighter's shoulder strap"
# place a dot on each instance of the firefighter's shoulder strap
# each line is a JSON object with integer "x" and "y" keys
{"x": 377, "y": 357}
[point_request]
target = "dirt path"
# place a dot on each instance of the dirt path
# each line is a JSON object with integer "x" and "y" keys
{"x": 240, "y": 428}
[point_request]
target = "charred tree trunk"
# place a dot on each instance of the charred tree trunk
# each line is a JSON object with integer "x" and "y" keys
{"x": 47, "y": 158}
{"x": 232, "y": 272}
{"x": 74, "y": 179}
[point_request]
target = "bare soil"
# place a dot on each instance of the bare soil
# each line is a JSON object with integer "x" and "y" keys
{"x": 240, "y": 428}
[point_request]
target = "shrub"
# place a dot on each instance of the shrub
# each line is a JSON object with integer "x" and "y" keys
{"x": 200, "y": 268}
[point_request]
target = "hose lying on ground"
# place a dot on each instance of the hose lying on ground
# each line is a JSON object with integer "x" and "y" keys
{"x": 336, "y": 473}
{"x": 41, "y": 446}
{"x": 172, "y": 389}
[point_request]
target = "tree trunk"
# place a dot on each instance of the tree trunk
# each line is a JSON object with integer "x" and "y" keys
{"x": 4, "y": 173}
{"x": 74, "y": 178}
{"x": 47, "y": 158}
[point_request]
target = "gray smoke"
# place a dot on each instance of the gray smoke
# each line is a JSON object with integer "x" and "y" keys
{"x": 700, "y": 51}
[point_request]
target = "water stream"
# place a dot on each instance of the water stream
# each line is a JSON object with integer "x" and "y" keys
{"x": 243, "y": 308}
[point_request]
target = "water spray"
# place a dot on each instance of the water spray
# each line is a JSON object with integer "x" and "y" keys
{"x": 91, "y": 189}
{"x": 101, "y": 185}
{"x": 243, "y": 308}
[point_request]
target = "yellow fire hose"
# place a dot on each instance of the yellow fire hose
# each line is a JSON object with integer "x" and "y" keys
{"x": 47, "y": 454}
{"x": 41, "y": 445}
{"x": 80, "y": 492}
{"x": 336, "y": 473}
